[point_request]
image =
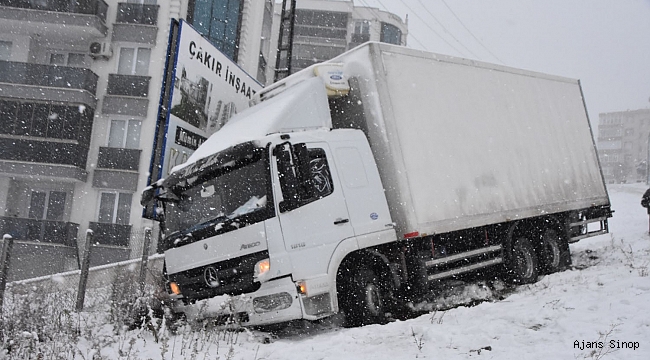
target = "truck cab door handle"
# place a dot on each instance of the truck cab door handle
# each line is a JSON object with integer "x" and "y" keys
{"x": 341, "y": 221}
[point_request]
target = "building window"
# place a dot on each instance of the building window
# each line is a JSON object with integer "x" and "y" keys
{"x": 114, "y": 208}
{"x": 57, "y": 59}
{"x": 77, "y": 60}
{"x": 125, "y": 134}
{"x": 5, "y": 50}
{"x": 144, "y": 2}
{"x": 47, "y": 205}
{"x": 134, "y": 61}
{"x": 219, "y": 21}
{"x": 361, "y": 32}
{"x": 70, "y": 59}
{"x": 362, "y": 27}
{"x": 390, "y": 34}
{"x": 627, "y": 158}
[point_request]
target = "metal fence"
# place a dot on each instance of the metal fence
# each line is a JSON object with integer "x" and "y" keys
{"x": 146, "y": 269}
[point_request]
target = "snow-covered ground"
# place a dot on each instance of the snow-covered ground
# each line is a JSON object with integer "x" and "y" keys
{"x": 599, "y": 309}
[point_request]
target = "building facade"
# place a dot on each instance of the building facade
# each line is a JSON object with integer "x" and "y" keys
{"x": 324, "y": 29}
{"x": 623, "y": 145}
{"x": 79, "y": 95}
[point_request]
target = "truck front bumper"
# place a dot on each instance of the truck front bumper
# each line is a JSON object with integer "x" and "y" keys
{"x": 274, "y": 302}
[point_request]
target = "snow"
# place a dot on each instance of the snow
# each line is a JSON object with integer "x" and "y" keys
{"x": 604, "y": 299}
{"x": 301, "y": 107}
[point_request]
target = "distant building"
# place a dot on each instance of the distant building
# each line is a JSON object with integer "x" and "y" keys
{"x": 324, "y": 29}
{"x": 623, "y": 145}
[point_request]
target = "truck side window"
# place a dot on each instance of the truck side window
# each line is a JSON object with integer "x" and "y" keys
{"x": 320, "y": 173}
{"x": 315, "y": 184}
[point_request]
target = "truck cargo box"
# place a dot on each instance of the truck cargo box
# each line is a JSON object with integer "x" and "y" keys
{"x": 462, "y": 143}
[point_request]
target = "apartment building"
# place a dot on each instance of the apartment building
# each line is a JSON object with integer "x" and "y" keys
{"x": 623, "y": 145}
{"x": 79, "y": 95}
{"x": 79, "y": 92}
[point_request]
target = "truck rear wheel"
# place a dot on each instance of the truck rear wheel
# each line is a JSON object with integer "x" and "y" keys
{"x": 523, "y": 264}
{"x": 365, "y": 299}
{"x": 554, "y": 252}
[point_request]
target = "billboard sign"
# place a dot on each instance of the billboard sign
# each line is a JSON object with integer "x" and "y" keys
{"x": 201, "y": 91}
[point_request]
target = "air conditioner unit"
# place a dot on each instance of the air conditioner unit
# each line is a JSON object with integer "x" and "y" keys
{"x": 101, "y": 50}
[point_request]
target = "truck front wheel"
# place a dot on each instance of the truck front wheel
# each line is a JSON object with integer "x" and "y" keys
{"x": 364, "y": 299}
{"x": 522, "y": 267}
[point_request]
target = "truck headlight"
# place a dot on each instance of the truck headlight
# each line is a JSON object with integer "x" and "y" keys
{"x": 262, "y": 267}
{"x": 176, "y": 290}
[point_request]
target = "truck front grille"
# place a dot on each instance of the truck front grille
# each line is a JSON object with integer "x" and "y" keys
{"x": 231, "y": 277}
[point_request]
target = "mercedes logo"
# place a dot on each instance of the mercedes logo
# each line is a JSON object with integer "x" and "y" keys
{"x": 210, "y": 276}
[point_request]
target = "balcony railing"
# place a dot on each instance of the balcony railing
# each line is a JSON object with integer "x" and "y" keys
{"x": 111, "y": 234}
{"x": 57, "y": 232}
{"x": 87, "y": 7}
{"x": 142, "y": 14}
{"x": 118, "y": 158}
{"x": 128, "y": 85}
{"x": 48, "y": 75}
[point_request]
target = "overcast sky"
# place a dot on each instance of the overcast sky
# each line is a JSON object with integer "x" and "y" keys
{"x": 604, "y": 43}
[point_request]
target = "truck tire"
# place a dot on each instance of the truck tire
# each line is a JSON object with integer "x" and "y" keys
{"x": 365, "y": 299}
{"x": 523, "y": 262}
{"x": 554, "y": 254}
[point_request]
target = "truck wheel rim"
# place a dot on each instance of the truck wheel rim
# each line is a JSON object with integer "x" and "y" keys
{"x": 524, "y": 263}
{"x": 373, "y": 299}
{"x": 552, "y": 249}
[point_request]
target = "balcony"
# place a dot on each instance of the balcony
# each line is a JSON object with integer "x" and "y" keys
{"x": 117, "y": 169}
{"x": 126, "y": 95}
{"x": 118, "y": 158}
{"x": 128, "y": 85}
{"x": 44, "y": 151}
{"x": 48, "y": 75}
{"x": 48, "y": 82}
{"x": 48, "y": 231}
{"x": 111, "y": 234}
{"x": 57, "y": 18}
{"x": 141, "y": 14}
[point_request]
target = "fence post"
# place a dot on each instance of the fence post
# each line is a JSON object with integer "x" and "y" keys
{"x": 145, "y": 258}
{"x": 7, "y": 244}
{"x": 85, "y": 265}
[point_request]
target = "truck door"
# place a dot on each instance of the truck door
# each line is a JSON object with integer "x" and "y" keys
{"x": 313, "y": 214}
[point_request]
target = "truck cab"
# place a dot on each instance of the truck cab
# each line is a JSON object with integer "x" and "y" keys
{"x": 272, "y": 219}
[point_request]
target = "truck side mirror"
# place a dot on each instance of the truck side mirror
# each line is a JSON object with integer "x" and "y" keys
{"x": 147, "y": 196}
{"x": 306, "y": 188}
{"x": 288, "y": 177}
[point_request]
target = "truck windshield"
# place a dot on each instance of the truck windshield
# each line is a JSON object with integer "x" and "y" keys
{"x": 236, "y": 196}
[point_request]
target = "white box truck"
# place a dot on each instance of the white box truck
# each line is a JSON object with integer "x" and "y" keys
{"x": 356, "y": 183}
